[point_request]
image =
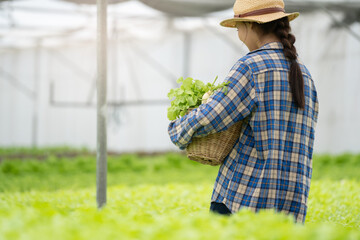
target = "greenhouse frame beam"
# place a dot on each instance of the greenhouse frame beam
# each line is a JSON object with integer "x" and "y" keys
{"x": 222, "y": 36}
{"x": 110, "y": 104}
{"x": 101, "y": 157}
{"x": 341, "y": 24}
{"x": 51, "y": 10}
{"x": 62, "y": 31}
{"x": 35, "y": 122}
{"x": 158, "y": 66}
{"x": 17, "y": 84}
{"x": 147, "y": 58}
{"x": 127, "y": 103}
{"x": 75, "y": 68}
{"x": 187, "y": 41}
{"x": 86, "y": 13}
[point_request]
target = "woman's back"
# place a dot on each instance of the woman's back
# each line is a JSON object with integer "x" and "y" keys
{"x": 288, "y": 127}
{"x": 270, "y": 166}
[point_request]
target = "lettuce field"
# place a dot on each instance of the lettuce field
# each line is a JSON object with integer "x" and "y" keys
{"x": 50, "y": 194}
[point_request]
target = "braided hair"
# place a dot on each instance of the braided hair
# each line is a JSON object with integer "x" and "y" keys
{"x": 281, "y": 28}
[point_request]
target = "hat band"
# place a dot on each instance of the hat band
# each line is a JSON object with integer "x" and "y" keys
{"x": 260, "y": 12}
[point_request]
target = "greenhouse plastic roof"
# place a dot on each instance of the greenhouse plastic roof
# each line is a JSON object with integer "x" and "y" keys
{"x": 189, "y": 7}
{"x": 26, "y": 22}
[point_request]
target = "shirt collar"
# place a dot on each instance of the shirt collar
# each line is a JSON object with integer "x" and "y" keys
{"x": 269, "y": 46}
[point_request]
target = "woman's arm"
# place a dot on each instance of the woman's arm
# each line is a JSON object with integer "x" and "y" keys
{"x": 221, "y": 111}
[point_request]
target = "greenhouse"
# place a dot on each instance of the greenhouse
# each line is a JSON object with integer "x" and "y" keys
{"x": 50, "y": 62}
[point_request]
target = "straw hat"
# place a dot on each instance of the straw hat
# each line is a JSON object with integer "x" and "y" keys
{"x": 260, "y": 11}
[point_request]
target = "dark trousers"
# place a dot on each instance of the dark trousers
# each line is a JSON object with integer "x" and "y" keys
{"x": 219, "y": 208}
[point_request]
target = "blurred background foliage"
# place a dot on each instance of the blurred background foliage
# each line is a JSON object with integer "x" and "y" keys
{"x": 24, "y": 169}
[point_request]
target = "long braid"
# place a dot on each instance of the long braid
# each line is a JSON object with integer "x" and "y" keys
{"x": 281, "y": 28}
{"x": 296, "y": 79}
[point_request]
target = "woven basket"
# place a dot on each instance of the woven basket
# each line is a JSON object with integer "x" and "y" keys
{"x": 212, "y": 149}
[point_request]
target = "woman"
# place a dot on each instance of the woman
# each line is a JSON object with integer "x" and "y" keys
{"x": 270, "y": 166}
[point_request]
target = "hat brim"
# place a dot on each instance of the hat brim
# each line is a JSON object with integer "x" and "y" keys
{"x": 231, "y": 23}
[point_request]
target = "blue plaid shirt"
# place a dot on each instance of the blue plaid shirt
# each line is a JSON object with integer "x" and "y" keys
{"x": 270, "y": 165}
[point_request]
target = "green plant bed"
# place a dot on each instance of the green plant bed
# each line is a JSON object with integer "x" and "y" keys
{"x": 173, "y": 211}
{"x": 160, "y": 197}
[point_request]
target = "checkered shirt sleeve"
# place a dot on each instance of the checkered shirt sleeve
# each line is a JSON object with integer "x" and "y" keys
{"x": 220, "y": 112}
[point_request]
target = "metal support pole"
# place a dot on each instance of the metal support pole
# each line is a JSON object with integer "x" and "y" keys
{"x": 101, "y": 158}
{"x": 187, "y": 51}
{"x": 114, "y": 51}
{"x": 35, "y": 116}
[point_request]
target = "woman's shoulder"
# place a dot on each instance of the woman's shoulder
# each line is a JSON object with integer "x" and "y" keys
{"x": 241, "y": 66}
{"x": 261, "y": 61}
